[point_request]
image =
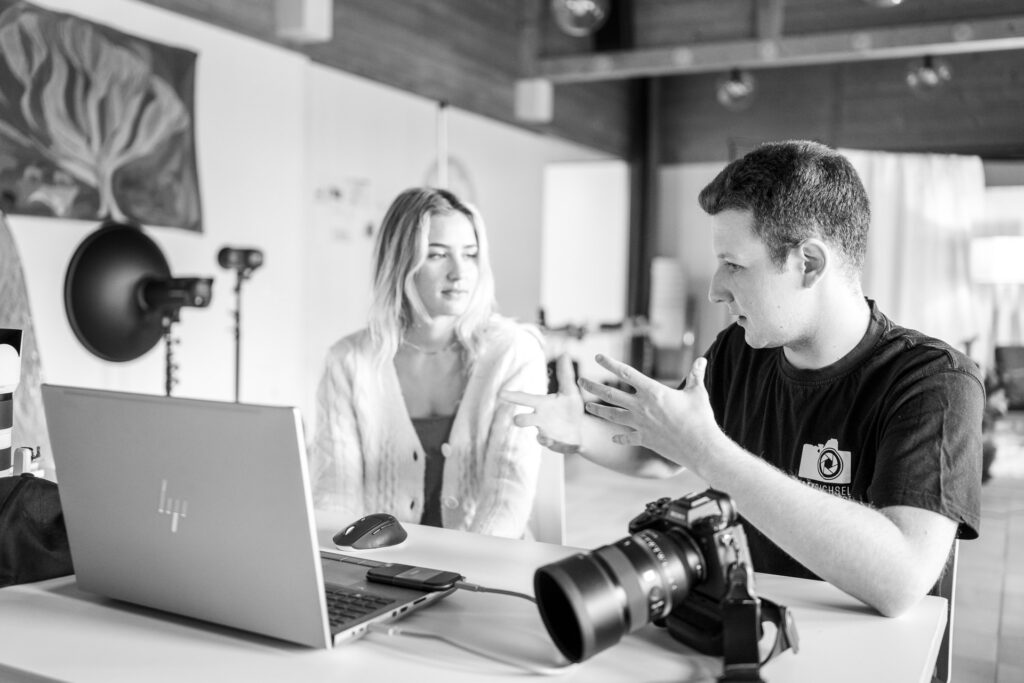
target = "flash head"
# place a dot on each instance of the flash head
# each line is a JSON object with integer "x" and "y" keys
{"x": 242, "y": 259}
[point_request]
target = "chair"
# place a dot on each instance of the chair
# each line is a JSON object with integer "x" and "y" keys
{"x": 946, "y": 588}
{"x": 547, "y": 520}
{"x": 1010, "y": 370}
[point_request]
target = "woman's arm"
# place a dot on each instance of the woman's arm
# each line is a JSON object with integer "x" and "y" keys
{"x": 511, "y": 456}
{"x": 335, "y": 455}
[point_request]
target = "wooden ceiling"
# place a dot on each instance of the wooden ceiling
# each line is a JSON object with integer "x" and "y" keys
{"x": 673, "y": 37}
{"x": 832, "y": 70}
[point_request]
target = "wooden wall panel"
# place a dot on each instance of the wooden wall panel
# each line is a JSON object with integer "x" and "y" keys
{"x": 662, "y": 23}
{"x": 790, "y": 103}
{"x": 252, "y": 17}
{"x": 668, "y": 23}
{"x": 865, "y": 105}
{"x": 469, "y": 53}
{"x": 464, "y": 52}
{"x": 980, "y": 112}
{"x": 814, "y": 16}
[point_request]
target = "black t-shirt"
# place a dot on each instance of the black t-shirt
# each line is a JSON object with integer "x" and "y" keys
{"x": 897, "y": 421}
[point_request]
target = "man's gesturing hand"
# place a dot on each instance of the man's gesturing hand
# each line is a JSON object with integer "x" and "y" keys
{"x": 670, "y": 422}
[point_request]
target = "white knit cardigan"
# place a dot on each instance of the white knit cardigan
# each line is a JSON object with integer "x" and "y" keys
{"x": 366, "y": 456}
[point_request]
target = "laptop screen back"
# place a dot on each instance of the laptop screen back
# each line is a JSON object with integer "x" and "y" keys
{"x": 199, "y": 508}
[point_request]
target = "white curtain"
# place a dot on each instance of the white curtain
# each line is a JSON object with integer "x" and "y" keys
{"x": 923, "y": 207}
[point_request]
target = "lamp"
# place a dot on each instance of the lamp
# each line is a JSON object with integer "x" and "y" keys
{"x": 998, "y": 261}
{"x": 579, "y": 18}
{"x": 885, "y": 4}
{"x": 927, "y": 78}
{"x": 736, "y": 91}
{"x": 120, "y": 298}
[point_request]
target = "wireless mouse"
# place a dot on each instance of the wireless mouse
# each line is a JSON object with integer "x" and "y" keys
{"x": 377, "y": 530}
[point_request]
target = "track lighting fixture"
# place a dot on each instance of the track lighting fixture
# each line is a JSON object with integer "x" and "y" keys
{"x": 736, "y": 91}
{"x": 580, "y": 18}
{"x": 928, "y": 76}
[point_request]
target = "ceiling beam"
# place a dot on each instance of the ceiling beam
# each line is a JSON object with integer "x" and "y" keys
{"x": 977, "y": 35}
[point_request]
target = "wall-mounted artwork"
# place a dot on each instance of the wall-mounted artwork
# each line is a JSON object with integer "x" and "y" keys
{"x": 94, "y": 123}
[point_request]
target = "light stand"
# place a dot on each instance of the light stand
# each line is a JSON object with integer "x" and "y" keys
{"x": 243, "y": 261}
{"x": 170, "y": 367}
{"x": 168, "y": 297}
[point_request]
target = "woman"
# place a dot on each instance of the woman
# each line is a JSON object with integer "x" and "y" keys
{"x": 409, "y": 419}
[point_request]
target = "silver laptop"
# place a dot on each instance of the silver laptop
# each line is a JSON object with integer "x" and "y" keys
{"x": 203, "y": 509}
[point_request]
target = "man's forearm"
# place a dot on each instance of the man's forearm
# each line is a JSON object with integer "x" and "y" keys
{"x": 852, "y": 546}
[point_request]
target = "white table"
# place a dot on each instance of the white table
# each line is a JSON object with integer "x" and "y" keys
{"x": 51, "y": 630}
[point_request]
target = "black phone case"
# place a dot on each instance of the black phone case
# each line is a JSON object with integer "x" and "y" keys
{"x": 409, "y": 576}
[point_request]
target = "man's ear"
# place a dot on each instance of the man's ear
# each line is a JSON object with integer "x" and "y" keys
{"x": 815, "y": 258}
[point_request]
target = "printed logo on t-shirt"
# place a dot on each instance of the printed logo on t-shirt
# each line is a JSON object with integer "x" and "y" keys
{"x": 827, "y": 467}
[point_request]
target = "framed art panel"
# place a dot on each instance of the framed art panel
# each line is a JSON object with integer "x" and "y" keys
{"x": 94, "y": 123}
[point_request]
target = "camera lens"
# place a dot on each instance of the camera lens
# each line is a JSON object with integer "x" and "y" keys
{"x": 590, "y": 600}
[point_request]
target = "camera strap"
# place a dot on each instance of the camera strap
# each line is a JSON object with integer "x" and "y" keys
{"x": 743, "y": 617}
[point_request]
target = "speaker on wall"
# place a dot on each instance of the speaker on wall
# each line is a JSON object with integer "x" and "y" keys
{"x": 534, "y": 100}
{"x": 305, "y": 21}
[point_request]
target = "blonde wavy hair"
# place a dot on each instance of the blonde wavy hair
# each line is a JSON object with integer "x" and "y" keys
{"x": 400, "y": 250}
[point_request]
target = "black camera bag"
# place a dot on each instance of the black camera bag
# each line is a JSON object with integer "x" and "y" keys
{"x": 33, "y": 539}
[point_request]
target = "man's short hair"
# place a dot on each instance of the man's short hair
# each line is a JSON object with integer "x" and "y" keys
{"x": 795, "y": 190}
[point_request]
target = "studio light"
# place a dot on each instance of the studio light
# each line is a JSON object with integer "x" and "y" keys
{"x": 120, "y": 298}
{"x": 243, "y": 259}
{"x": 736, "y": 91}
{"x": 579, "y": 18}
{"x": 927, "y": 77}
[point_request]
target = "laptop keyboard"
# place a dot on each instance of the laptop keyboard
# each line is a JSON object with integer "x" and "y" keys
{"x": 344, "y": 605}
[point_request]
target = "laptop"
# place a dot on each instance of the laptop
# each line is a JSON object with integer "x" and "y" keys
{"x": 203, "y": 509}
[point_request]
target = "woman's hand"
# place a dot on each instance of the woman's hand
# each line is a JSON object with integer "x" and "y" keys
{"x": 558, "y": 417}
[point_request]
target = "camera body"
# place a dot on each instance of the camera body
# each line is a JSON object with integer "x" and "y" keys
{"x": 721, "y": 543}
{"x": 682, "y": 559}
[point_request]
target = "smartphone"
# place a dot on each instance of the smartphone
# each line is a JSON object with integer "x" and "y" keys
{"x": 409, "y": 576}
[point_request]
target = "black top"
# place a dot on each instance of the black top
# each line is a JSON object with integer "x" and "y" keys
{"x": 433, "y": 433}
{"x": 897, "y": 421}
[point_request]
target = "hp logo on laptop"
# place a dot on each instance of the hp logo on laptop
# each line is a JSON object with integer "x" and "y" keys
{"x": 177, "y": 508}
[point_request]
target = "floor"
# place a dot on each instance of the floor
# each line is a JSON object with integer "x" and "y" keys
{"x": 988, "y": 623}
{"x": 988, "y": 626}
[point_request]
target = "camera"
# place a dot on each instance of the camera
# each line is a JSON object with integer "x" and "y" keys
{"x": 685, "y": 566}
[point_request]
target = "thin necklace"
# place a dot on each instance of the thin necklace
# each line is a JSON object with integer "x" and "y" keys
{"x": 431, "y": 352}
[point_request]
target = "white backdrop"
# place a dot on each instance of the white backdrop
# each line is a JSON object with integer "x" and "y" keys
{"x": 275, "y": 133}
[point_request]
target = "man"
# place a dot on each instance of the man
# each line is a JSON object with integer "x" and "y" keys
{"x": 851, "y": 446}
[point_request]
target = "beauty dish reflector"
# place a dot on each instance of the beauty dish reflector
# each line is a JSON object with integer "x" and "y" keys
{"x": 119, "y": 293}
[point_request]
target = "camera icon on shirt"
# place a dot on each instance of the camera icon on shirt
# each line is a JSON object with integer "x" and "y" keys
{"x": 826, "y": 463}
